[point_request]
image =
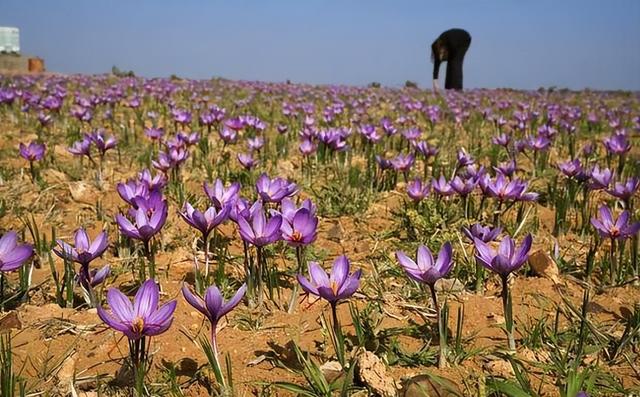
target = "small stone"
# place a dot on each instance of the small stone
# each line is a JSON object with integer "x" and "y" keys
{"x": 543, "y": 265}
{"x": 81, "y": 192}
{"x": 449, "y": 285}
{"x": 331, "y": 370}
{"x": 495, "y": 318}
{"x": 373, "y": 373}
{"x": 335, "y": 233}
{"x": 10, "y": 320}
{"x": 501, "y": 368}
{"x": 428, "y": 386}
{"x": 67, "y": 371}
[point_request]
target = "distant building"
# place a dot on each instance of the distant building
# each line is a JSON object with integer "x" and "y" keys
{"x": 11, "y": 60}
{"x": 9, "y": 40}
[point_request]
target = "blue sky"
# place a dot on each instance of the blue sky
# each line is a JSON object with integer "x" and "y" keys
{"x": 519, "y": 44}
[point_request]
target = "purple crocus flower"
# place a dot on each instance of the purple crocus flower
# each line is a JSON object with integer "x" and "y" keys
{"x": 403, "y": 163}
{"x": 188, "y": 139}
{"x": 240, "y": 208}
{"x": 235, "y": 124}
{"x": 600, "y": 179}
{"x": 102, "y": 142}
{"x": 615, "y": 229}
{"x": 154, "y": 133}
{"x": 12, "y": 254}
{"x": 247, "y": 160}
{"x": 464, "y": 158}
{"x": 482, "y": 233}
{"x": 228, "y": 135}
{"x": 85, "y": 250}
{"x": 147, "y": 222}
{"x": 507, "y": 259}
{"x": 155, "y": 182}
{"x": 255, "y": 144}
{"x": 131, "y": 190}
{"x": 425, "y": 149}
{"x": 573, "y": 169}
{"x": 206, "y": 221}
{"x": 338, "y": 285}
{"x": 383, "y": 163}
{"x": 624, "y": 191}
{"x": 288, "y": 208}
{"x": 425, "y": 269}
{"x": 81, "y": 147}
{"x": 417, "y": 190}
{"x": 539, "y": 143}
{"x": 213, "y": 306}
{"x": 441, "y": 186}
{"x": 256, "y": 229}
{"x": 34, "y": 151}
{"x": 507, "y": 168}
{"x": 463, "y": 187}
{"x": 307, "y": 147}
{"x": 301, "y": 230}
{"x": 221, "y": 196}
{"x": 274, "y": 190}
{"x": 143, "y": 317}
{"x": 617, "y": 144}
{"x": 501, "y": 139}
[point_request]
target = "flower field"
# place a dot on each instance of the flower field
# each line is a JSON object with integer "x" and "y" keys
{"x": 229, "y": 238}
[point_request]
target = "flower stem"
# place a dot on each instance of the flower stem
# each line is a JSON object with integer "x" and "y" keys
{"x": 337, "y": 334}
{"x": 442, "y": 359}
{"x": 508, "y": 315}
{"x": 294, "y": 292}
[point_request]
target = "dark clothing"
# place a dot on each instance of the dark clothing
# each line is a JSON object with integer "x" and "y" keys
{"x": 455, "y": 43}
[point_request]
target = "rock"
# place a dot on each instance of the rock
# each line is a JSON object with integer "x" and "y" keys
{"x": 373, "y": 373}
{"x": 495, "y": 318}
{"x": 501, "y": 368}
{"x": 449, "y": 285}
{"x": 67, "y": 372}
{"x": 543, "y": 265}
{"x": 10, "y": 320}
{"x": 53, "y": 176}
{"x": 61, "y": 151}
{"x": 82, "y": 192}
{"x": 335, "y": 233}
{"x": 331, "y": 370}
{"x": 429, "y": 386}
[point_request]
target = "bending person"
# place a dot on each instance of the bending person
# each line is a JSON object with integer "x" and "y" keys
{"x": 450, "y": 46}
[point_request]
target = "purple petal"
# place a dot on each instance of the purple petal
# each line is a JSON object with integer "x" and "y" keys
{"x": 146, "y": 300}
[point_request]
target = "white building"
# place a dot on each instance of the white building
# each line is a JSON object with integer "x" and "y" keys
{"x": 9, "y": 40}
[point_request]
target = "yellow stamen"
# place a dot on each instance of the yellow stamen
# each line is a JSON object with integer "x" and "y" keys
{"x": 138, "y": 325}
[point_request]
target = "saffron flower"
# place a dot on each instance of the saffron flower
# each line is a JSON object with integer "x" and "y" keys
{"x": 336, "y": 286}
{"x": 257, "y": 230}
{"x": 221, "y": 196}
{"x": 138, "y": 321}
{"x": 12, "y": 254}
{"x": 274, "y": 190}
{"x": 483, "y": 233}
{"x": 425, "y": 270}
{"x": 301, "y": 230}
{"x": 213, "y": 306}
{"x": 34, "y": 151}
{"x": 615, "y": 229}
{"x": 145, "y": 224}
{"x": 143, "y": 317}
{"x": 506, "y": 259}
{"x": 417, "y": 190}
{"x": 205, "y": 221}
{"x": 503, "y": 262}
